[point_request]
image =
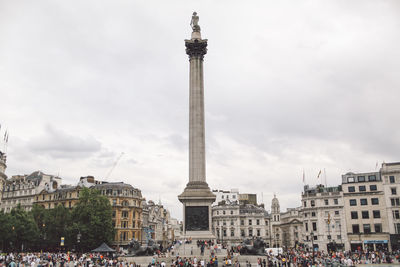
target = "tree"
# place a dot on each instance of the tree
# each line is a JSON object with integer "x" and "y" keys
{"x": 92, "y": 217}
{"x": 24, "y": 231}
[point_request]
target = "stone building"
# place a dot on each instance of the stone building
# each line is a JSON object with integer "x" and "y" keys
{"x": 156, "y": 223}
{"x": 3, "y": 176}
{"x": 126, "y": 202}
{"x": 390, "y": 173}
{"x": 365, "y": 211}
{"x": 233, "y": 222}
{"x": 23, "y": 189}
{"x": 225, "y": 195}
{"x": 291, "y": 227}
{"x": 323, "y": 218}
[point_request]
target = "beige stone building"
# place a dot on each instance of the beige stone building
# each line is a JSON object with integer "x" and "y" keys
{"x": 157, "y": 224}
{"x": 291, "y": 226}
{"x": 126, "y": 202}
{"x": 365, "y": 211}
{"x": 390, "y": 173}
{"x": 23, "y": 189}
{"x": 323, "y": 219}
{"x": 3, "y": 176}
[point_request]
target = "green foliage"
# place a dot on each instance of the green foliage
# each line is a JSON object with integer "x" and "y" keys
{"x": 93, "y": 219}
{"x": 42, "y": 229}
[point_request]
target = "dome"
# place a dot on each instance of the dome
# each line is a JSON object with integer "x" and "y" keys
{"x": 275, "y": 201}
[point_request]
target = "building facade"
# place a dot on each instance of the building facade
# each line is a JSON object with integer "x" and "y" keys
{"x": 157, "y": 224}
{"x": 23, "y": 189}
{"x": 323, "y": 219}
{"x": 291, "y": 226}
{"x": 125, "y": 200}
{"x": 390, "y": 173}
{"x": 365, "y": 211}
{"x": 3, "y": 176}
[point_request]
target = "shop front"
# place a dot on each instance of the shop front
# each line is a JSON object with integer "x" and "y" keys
{"x": 376, "y": 245}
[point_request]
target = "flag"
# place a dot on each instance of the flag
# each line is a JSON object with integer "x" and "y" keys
{"x": 5, "y": 135}
{"x": 320, "y": 171}
{"x": 304, "y": 177}
{"x": 329, "y": 218}
{"x": 376, "y": 166}
{"x": 7, "y": 138}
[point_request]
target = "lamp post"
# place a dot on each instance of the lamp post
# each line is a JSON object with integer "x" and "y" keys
{"x": 312, "y": 246}
{"x": 78, "y": 239}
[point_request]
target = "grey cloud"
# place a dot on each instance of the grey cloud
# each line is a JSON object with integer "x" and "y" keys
{"x": 58, "y": 144}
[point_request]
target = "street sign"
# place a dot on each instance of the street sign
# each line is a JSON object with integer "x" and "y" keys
{"x": 62, "y": 241}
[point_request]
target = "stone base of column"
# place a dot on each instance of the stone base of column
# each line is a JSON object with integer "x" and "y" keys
{"x": 197, "y": 199}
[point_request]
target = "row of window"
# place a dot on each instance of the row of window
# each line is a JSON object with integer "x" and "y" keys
{"x": 365, "y": 214}
{"x": 326, "y": 202}
{"x": 224, "y": 212}
{"x": 367, "y": 228}
{"x": 362, "y": 188}
{"x": 361, "y": 178}
{"x": 313, "y": 213}
{"x": 364, "y": 201}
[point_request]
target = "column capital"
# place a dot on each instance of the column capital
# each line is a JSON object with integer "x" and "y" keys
{"x": 196, "y": 48}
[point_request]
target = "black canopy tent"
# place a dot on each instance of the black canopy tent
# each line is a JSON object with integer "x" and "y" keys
{"x": 103, "y": 248}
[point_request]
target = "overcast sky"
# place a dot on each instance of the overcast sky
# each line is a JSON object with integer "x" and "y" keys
{"x": 289, "y": 85}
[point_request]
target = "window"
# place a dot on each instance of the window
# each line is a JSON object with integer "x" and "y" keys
{"x": 250, "y": 232}
{"x": 393, "y": 190}
{"x": 365, "y": 214}
{"x": 354, "y": 215}
{"x": 378, "y": 228}
{"x": 395, "y": 201}
{"x": 223, "y": 212}
{"x": 305, "y": 215}
{"x": 353, "y": 202}
{"x": 312, "y": 203}
{"x": 361, "y": 178}
{"x": 337, "y": 212}
{"x": 350, "y": 179}
{"x": 217, "y": 212}
{"x": 314, "y": 226}
{"x": 224, "y": 231}
{"x": 326, "y": 202}
{"x": 124, "y": 214}
{"x": 305, "y": 203}
{"x": 367, "y": 228}
{"x": 233, "y": 196}
{"x": 373, "y": 187}
{"x": 397, "y": 228}
{"x": 242, "y": 232}
{"x": 258, "y": 222}
{"x": 258, "y": 232}
{"x": 232, "y": 232}
{"x": 241, "y": 222}
{"x": 124, "y": 224}
{"x": 335, "y": 201}
{"x": 231, "y": 212}
{"x": 315, "y": 237}
{"x": 363, "y": 202}
{"x": 371, "y": 177}
{"x": 250, "y": 222}
{"x": 362, "y": 188}
{"x": 376, "y": 213}
{"x": 306, "y": 226}
{"x": 313, "y": 214}
{"x": 114, "y": 202}
{"x": 391, "y": 179}
{"x": 352, "y": 189}
{"x": 374, "y": 201}
{"x": 396, "y": 214}
{"x": 356, "y": 228}
{"x": 232, "y": 222}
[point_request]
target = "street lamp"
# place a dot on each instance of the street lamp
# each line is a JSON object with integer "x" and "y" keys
{"x": 312, "y": 245}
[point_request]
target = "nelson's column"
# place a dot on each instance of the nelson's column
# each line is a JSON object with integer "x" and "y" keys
{"x": 197, "y": 196}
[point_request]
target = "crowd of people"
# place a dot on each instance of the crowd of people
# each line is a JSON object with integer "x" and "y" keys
{"x": 287, "y": 258}
{"x": 62, "y": 260}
